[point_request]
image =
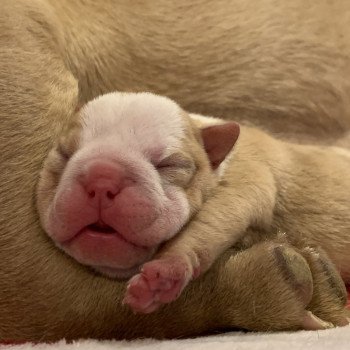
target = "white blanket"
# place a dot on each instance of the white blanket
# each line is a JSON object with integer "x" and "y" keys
{"x": 335, "y": 339}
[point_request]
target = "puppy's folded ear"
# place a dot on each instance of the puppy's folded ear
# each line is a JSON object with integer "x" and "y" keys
{"x": 219, "y": 140}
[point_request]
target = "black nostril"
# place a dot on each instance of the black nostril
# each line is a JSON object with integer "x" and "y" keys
{"x": 91, "y": 194}
{"x": 110, "y": 195}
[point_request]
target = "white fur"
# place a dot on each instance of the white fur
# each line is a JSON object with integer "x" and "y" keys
{"x": 138, "y": 121}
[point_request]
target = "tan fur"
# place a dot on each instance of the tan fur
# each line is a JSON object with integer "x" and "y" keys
{"x": 277, "y": 187}
{"x": 282, "y": 65}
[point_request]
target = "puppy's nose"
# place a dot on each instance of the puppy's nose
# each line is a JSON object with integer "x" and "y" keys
{"x": 103, "y": 181}
{"x": 101, "y": 193}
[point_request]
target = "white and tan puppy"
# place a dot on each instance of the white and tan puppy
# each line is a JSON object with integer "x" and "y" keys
{"x": 123, "y": 182}
{"x": 135, "y": 168}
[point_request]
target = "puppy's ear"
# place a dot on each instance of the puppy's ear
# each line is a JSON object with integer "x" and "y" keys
{"x": 219, "y": 140}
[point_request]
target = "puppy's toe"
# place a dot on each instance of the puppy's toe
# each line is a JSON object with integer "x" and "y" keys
{"x": 329, "y": 293}
{"x": 296, "y": 271}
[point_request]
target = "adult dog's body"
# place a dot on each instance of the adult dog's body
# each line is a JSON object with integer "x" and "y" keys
{"x": 282, "y": 66}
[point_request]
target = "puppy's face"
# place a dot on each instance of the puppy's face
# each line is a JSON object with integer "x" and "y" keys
{"x": 122, "y": 180}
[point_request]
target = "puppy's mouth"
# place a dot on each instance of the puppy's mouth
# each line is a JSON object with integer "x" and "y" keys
{"x": 101, "y": 227}
{"x": 107, "y": 250}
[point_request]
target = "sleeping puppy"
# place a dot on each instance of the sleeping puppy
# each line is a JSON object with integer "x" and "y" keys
{"x": 123, "y": 180}
{"x": 135, "y": 170}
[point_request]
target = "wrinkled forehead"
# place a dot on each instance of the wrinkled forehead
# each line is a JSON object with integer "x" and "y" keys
{"x": 141, "y": 121}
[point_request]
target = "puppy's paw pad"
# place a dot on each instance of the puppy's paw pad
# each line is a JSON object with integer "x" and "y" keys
{"x": 160, "y": 281}
{"x": 167, "y": 277}
{"x": 138, "y": 295}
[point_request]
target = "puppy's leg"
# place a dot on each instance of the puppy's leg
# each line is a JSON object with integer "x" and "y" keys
{"x": 273, "y": 286}
{"x": 279, "y": 287}
{"x": 267, "y": 287}
{"x": 270, "y": 286}
{"x": 250, "y": 280}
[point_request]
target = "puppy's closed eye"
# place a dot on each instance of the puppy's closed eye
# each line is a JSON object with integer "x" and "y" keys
{"x": 176, "y": 160}
{"x": 68, "y": 143}
{"x": 176, "y": 169}
{"x": 63, "y": 151}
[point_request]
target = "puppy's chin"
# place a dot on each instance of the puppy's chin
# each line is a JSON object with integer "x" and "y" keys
{"x": 121, "y": 261}
{"x": 114, "y": 272}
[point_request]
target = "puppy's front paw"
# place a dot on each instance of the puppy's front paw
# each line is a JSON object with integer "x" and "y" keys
{"x": 160, "y": 281}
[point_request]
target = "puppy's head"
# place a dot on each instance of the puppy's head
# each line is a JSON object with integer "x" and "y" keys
{"x": 125, "y": 177}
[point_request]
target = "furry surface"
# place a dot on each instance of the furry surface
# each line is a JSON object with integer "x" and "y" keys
{"x": 338, "y": 338}
{"x": 268, "y": 63}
